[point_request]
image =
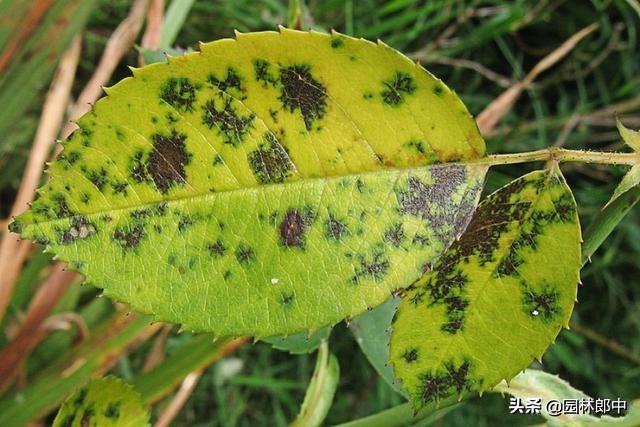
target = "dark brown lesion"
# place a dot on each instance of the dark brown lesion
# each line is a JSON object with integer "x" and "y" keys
{"x": 437, "y": 385}
{"x": 180, "y": 93}
{"x": 294, "y": 226}
{"x": 335, "y": 229}
{"x": 263, "y": 72}
{"x": 541, "y": 304}
{"x": 270, "y": 162}
{"x": 98, "y": 177}
{"x": 245, "y": 254}
{"x": 397, "y": 88}
{"x": 166, "y": 162}
{"x": 232, "y": 80}
{"x": 410, "y": 355}
{"x": 394, "y": 235}
{"x": 374, "y": 265}
{"x": 301, "y": 91}
{"x": 217, "y": 248}
{"x": 129, "y": 237}
{"x": 232, "y": 126}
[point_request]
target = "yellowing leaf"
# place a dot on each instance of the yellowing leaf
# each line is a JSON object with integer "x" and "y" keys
{"x": 103, "y": 402}
{"x": 267, "y": 185}
{"x": 496, "y": 298}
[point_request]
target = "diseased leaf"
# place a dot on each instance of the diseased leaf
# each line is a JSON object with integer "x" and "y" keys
{"x": 267, "y": 185}
{"x": 103, "y": 402}
{"x": 497, "y": 298}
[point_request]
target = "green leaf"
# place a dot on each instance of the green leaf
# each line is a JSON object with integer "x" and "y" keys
{"x": 103, "y": 402}
{"x": 301, "y": 343}
{"x": 629, "y": 136}
{"x": 372, "y": 333}
{"x": 497, "y": 298}
{"x": 538, "y": 384}
{"x": 629, "y": 181}
{"x": 264, "y": 186}
{"x": 321, "y": 389}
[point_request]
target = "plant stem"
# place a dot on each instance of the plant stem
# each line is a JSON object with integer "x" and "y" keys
{"x": 562, "y": 155}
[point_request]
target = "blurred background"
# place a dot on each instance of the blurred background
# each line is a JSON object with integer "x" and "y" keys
{"x": 478, "y": 48}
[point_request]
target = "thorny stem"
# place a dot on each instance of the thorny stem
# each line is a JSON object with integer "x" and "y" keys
{"x": 555, "y": 154}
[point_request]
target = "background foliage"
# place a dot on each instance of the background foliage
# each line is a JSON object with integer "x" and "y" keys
{"x": 478, "y": 48}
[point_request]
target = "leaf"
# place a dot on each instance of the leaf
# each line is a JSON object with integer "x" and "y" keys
{"x": 264, "y": 186}
{"x": 630, "y": 137}
{"x": 537, "y": 384}
{"x": 629, "y": 181}
{"x": 301, "y": 343}
{"x": 321, "y": 389}
{"x": 103, "y": 402}
{"x": 372, "y": 333}
{"x": 497, "y": 298}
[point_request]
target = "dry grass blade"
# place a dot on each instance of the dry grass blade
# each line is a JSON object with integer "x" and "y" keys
{"x": 11, "y": 258}
{"x": 30, "y": 332}
{"x": 496, "y": 110}
{"x": 118, "y": 45}
{"x": 186, "y": 388}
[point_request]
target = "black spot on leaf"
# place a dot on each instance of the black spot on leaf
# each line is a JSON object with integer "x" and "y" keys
{"x": 263, "y": 73}
{"x": 301, "y": 91}
{"x": 394, "y": 235}
{"x": 129, "y": 237}
{"x": 410, "y": 355}
{"x": 543, "y": 305}
{"x": 335, "y": 229}
{"x": 397, "y": 88}
{"x": 294, "y": 226}
{"x": 230, "y": 124}
{"x": 217, "y": 248}
{"x": 167, "y": 160}
{"x": 244, "y": 254}
{"x": 231, "y": 81}
{"x": 270, "y": 161}
{"x": 180, "y": 93}
{"x": 435, "y": 386}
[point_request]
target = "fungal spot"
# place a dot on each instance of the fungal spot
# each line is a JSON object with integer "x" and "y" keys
{"x": 231, "y": 81}
{"x": 336, "y": 42}
{"x": 435, "y": 386}
{"x": 228, "y": 274}
{"x": 294, "y": 226}
{"x": 62, "y": 208}
{"x": 180, "y": 93}
{"x": 137, "y": 169}
{"x": 286, "y": 298}
{"x": 367, "y": 95}
{"x": 263, "y": 73}
{"x": 167, "y": 160}
{"x": 301, "y": 91}
{"x": 244, "y": 254}
{"x": 80, "y": 229}
{"x": 231, "y": 125}
{"x": 129, "y": 238}
{"x": 270, "y": 162}
{"x": 217, "y": 160}
{"x": 184, "y": 223}
{"x": 544, "y": 305}
{"x": 98, "y": 178}
{"x": 120, "y": 187}
{"x": 438, "y": 89}
{"x": 397, "y": 88}
{"x": 374, "y": 266}
{"x": 410, "y": 355}
{"x": 335, "y": 229}
{"x": 217, "y": 249}
{"x": 113, "y": 410}
{"x": 394, "y": 235}
{"x": 71, "y": 157}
